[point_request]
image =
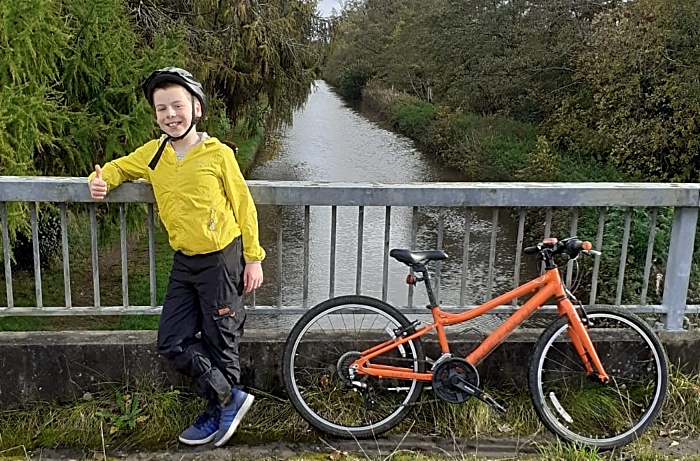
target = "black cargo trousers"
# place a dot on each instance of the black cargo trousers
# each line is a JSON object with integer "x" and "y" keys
{"x": 202, "y": 320}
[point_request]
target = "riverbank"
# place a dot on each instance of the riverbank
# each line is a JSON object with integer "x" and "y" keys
{"x": 484, "y": 148}
{"x": 496, "y": 148}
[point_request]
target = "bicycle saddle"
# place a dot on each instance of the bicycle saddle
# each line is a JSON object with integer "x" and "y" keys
{"x": 411, "y": 258}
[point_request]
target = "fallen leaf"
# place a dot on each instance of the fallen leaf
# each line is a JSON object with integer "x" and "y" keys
{"x": 504, "y": 428}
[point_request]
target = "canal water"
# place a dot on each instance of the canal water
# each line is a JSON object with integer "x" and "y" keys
{"x": 331, "y": 141}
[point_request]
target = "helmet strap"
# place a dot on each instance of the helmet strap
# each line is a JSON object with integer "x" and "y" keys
{"x": 159, "y": 152}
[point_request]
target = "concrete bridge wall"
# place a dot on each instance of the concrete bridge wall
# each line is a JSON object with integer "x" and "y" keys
{"x": 63, "y": 366}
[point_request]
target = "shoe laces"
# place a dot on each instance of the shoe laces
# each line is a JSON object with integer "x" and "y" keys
{"x": 204, "y": 419}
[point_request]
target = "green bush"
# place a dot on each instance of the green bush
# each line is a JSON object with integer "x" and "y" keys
{"x": 353, "y": 80}
{"x": 485, "y": 148}
{"x": 413, "y": 117}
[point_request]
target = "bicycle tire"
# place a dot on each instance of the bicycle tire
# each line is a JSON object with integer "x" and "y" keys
{"x": 312, "y": 376}
{"x": 580, "y": 409}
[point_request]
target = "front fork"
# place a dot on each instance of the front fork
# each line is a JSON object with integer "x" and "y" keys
{"x": 578, "y": 333}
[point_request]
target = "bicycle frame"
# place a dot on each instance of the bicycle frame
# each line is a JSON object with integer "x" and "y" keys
{"x": 546, "y": 286}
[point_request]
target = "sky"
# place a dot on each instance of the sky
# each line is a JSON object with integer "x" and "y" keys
{"x": 325, "y": 6}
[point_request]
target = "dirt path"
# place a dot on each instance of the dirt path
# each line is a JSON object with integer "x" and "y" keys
{"x": 330, "y": 449}
{"x": 376, "y": 449}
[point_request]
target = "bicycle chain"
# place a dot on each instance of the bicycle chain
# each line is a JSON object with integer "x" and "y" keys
{"x": 423, "y": 402}
{"x": 429, "y": 364}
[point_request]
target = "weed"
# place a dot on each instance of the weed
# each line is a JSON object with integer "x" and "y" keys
{"x": 568, "y": 452}
{"x": 682, "y": 408}
{"x": 128, "y": 413}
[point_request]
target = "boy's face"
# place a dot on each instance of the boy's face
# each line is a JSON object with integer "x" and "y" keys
{"x": 173, "y": 106}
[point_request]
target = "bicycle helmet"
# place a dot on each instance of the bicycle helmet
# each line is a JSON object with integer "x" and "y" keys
{"x": 175, "y": 75}
{"x": 180, "y": 77}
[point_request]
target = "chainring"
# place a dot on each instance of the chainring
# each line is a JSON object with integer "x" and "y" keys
{"x": 446, "y": 371}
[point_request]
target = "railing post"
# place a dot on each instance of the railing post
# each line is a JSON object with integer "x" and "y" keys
{"x": 680, "y": 256}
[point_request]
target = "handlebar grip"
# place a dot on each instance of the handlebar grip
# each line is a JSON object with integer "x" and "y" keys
{"x": 531, "y": 250}
{"x": 577, "y": 245}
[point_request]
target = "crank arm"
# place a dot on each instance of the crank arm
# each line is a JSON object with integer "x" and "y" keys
{"x": 479, "y": 394}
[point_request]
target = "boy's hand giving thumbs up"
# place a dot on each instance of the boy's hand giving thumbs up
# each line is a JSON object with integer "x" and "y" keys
{"x": 98, "y": 188}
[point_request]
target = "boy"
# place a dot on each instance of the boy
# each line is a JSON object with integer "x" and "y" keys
{"x": 211, "y": 220}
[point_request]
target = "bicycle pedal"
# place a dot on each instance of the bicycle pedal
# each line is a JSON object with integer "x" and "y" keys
{"x": 495, "y": 405}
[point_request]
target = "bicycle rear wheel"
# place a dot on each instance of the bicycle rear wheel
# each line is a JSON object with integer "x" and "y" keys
{"x": 579, "y": 408}
{"x": 318, "y": 351}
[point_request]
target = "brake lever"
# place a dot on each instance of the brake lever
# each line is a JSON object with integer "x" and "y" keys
{"x": 592, "y": 252}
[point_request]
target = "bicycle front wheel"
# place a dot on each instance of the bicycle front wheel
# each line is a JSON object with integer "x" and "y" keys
{"x": 318, "y": 352}
{"x": 579, "y": 408}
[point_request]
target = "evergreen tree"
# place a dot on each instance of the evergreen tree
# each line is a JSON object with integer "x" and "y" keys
{"x": 257, "y": 57}
{"x": 101, "y": 77}
{"x": 32, "y": 44}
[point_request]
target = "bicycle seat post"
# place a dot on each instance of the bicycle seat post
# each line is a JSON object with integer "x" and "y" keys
{"x": 423, "y": 270}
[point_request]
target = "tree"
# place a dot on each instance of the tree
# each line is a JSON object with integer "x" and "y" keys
{"x": 31, "y": 114}
{"x": 638, "y": 98}
{"x": 249, "y": 54}
{"x": 360, "y": 38}
{"x": 501, "y": 57}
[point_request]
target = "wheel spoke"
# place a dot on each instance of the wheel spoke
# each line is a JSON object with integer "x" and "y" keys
{"x": 579, "y": 408}
{"x": 317, "y": 356}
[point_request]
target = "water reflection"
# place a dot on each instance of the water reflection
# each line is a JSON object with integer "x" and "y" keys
{"x": 330, "y": 141}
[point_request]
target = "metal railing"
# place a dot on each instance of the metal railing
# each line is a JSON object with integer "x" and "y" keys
{"x": 452, "y": 205}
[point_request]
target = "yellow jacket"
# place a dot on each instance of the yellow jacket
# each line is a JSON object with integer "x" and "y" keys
{"x": 203, "y": 200}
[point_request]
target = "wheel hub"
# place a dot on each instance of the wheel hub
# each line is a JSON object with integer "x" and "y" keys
{"x": 344, "y": 363}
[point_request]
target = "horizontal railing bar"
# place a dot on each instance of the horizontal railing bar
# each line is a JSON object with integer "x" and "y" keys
{"x": 79, "y": 310}
{"x": 299, "y": 310}
{"x": 475, "y": 194}
{"x": 314, "y": 193}
{"x": 469, "y": 196}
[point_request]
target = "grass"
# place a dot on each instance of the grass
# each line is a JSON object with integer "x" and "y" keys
{"x": 146, "y": 415}
{"x": 82, "y": 288}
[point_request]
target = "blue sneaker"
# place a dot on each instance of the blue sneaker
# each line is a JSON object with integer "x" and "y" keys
{"x": 231, "y": 415}
{"x": 202, "y": 431}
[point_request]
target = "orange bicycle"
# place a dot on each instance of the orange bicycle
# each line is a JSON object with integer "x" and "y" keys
{"x": 354, "y": 366}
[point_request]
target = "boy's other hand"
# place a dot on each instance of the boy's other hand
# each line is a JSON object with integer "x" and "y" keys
{"x": 252, "y": 276}
{"x": 98, "y": 188}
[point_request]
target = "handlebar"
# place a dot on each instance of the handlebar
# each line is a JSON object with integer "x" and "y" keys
{"x": 570, "y": 246}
